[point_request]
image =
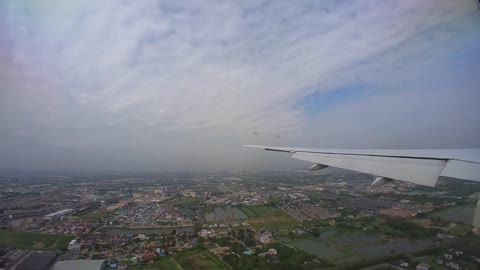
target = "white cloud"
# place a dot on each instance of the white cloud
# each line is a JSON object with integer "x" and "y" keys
{"x": 132, "y": 78}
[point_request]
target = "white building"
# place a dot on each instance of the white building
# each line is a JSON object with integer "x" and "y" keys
{"x": 59, "y": 213}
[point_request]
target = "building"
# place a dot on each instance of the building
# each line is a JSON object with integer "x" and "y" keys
{"x": 264, "y": 238}
{"x": 204, "y": 233}
{"x": 80, "y": 265}
{"x": 422, "y": 266}
{"x": 58, "y": 213}
{"x": 38, "y": 261}
{"x": 72, "y": 244}
{"x": 272, "y": 252}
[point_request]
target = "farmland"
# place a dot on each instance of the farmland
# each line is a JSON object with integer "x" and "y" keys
{"x": 199, "y": 260}
{"x": 35, "y": 241}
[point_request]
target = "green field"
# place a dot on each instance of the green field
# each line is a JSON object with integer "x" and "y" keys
{"x": 187, "y": 201}
{"x": 262, "y": 211}
{"x": 35, "y": 241}
{"x": 199, "y": 260}
{"x": 164, "y": 263}
{"x": 192, "y": 259}
{"x": 94, "y": 216}
{"x": 314, "y": 196}
{"x": 460, "y": 230}
{"x": 269, "y": 217}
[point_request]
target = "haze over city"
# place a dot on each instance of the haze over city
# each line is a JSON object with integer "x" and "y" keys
{"x": 181, "y": 85}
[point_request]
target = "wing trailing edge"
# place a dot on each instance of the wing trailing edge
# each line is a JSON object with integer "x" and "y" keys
{"x": 419, "y": 166}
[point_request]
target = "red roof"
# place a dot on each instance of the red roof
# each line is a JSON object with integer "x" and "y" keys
{"x": 148, "y": 256}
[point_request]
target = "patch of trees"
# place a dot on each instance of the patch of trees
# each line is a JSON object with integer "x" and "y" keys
{"x": 408, "y": 229}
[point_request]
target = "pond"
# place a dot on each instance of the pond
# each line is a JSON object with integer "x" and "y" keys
{"x": 398, "y": 246}
{"x": 358, "y": 239}
{"x": 324, "y": 236}
{"x": 456, "y": 214}
{"x": 348, "y": 237}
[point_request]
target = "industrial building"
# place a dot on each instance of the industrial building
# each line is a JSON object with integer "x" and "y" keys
{"x": 58, "y": 213}
{"x": 80, "y": 265}
{"x": 38, "y": 261}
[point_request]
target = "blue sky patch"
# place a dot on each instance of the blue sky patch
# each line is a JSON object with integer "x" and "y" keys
{"x": 318, "y": 102}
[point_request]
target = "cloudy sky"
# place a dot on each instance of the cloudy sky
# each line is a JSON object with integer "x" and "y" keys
{"x": 181, "y": 85}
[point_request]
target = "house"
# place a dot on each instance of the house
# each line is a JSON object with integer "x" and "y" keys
{"x": 148, "y": 256}
{"x": 403, "y": 263}
{"x": 423, "y": 266}
{"x": 453, "y": 265}
{"x": 272, "y": 252}
{"x": 438, "y": 260}
{"x": 264, "y": 238}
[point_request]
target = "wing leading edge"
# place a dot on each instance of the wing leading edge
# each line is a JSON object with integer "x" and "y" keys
{"x": 422, "y": 167}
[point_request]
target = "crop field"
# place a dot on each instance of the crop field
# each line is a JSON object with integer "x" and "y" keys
{"x": 36, "y": 241}
{"x": 199, "y": 260}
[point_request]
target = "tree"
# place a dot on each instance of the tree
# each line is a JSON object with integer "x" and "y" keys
{"x": 291, "y": 235}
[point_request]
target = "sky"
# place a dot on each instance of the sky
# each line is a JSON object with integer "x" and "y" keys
{"x": 181, "y": 85}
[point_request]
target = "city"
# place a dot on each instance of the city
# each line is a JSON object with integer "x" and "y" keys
{"x": 331, "y": 219}
{"x": 239, "y": 135}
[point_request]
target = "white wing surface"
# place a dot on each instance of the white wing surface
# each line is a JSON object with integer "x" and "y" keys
{"x": 422, "y": 167}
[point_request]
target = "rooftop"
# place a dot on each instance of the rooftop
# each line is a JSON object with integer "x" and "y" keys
{"x": 80, "y": 265}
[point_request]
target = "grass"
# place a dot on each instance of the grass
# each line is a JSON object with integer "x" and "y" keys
{"x": 271, "y": 218}
{"x": 262, "y": 211}
{"x": 104, "y": 229}
{"x": 94, "y": 216}
{"x": 187, "y": 201}
{"x": 164, "y": 263}
{"x": 425, "y": 223}
{"x": 314, "y": 196}
{"x": 199, "y": 260}
{"x": 460, "y": 230}
{"x": 35, "y": 241}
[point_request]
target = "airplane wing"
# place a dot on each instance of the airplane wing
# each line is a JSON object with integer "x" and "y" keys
{"x": 422, "y": 167}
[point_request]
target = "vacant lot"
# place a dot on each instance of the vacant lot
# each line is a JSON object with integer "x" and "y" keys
{"x": 225, "y": 213}
{"x": 94, "y": 216}
{"x": 187, "y": 201}
{"x": 199, "y": 260}
{"x": 164, "y": 263}
{"x": 269, "y": 217}
{"x": 36, "y": 241}
{"x": 263, "y": 211}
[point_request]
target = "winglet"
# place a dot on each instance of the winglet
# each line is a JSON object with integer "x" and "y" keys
{"x": 272, "y": 148}
{"x": 476, "y": 216}
{"x": 254, "y": 146}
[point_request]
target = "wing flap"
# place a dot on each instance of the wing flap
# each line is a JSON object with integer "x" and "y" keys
{"x": 418, "y": 171}
{"x": 462, "y": 169}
